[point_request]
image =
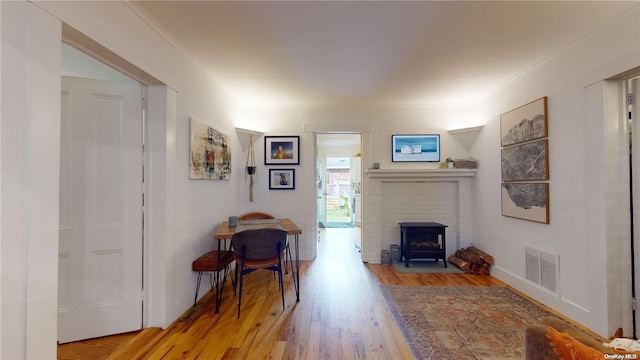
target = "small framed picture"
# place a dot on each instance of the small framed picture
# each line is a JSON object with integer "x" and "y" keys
{"x": 282, "y": 150}
{"x": 282, "y": 179}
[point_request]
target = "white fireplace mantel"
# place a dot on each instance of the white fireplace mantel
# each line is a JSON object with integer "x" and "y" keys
{"x": 420, "y": 173}
{"x": 455, "y": 187}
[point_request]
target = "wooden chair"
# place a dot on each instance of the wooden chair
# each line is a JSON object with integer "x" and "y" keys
{"x": 261, "y": 215}
{"x": 258, "y": 249}
{"x": 212, "y": 262}
{"x": 255, "y": 215}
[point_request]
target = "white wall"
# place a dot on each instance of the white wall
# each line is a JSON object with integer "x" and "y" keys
{"x": 31, "y": 69}
{"x": 377, "y": 124}
{"x": 580, "y": 165}
{"x": 30, "y": 151}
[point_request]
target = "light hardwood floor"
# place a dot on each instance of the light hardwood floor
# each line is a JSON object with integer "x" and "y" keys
{"x": 341, "y": 315}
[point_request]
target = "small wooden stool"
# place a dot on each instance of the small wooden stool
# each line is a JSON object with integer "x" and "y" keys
{"x": 209, "y": 263}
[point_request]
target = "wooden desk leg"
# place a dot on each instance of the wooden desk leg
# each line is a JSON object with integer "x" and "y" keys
{"x": 296, "y": 271}
{"x": 287, "y": 258}
{"x": 218, "y": 281}
{"x": 219, "y": 287}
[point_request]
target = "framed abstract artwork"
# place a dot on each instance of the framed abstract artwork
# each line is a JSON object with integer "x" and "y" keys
{"x": 527, "y": 201}
{"x": 526, "y": 123}
{"x": 526, "y": 162}
{"x": 282, "y": 179}
{"x": 282, "y": 150}
{"x": 209, "y": 152}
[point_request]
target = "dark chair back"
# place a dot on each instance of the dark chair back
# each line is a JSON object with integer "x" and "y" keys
{"x": 259, "y": 249}
{"x": 259, "y": 244}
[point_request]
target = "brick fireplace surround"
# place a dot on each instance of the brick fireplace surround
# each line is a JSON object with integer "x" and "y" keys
{"x": 394, "y": 196}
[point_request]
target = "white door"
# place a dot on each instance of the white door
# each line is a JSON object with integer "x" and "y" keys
{"x": 100, "y": 251}
{"x": 320, "y": 205}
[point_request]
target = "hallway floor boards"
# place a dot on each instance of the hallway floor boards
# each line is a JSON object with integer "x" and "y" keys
{"x": 341, "y": 315}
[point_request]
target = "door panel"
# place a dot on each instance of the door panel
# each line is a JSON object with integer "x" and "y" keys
{"x": 100, "y": 260}
{"x": 320, "y": 205}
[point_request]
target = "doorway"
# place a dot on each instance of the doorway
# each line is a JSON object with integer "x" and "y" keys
{"x": 339, "y": 190}
{"x": 339, "y": 186}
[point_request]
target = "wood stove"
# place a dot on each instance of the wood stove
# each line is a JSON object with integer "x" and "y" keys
{"x": 422, "y": 240}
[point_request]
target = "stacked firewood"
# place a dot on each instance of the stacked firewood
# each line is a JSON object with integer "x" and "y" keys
{"x": 472, "y": 260}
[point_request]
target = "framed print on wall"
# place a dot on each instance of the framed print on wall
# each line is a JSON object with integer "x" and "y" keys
{"x": 421, "y": 148}
{"x": 209, "y": 152}
{"x": 282, "y": 179}
{"x": 526, "y": 162}
{"x": 526, "y": 123}
{"x": 527, "y": 201}
{"x": 282, "y": 150}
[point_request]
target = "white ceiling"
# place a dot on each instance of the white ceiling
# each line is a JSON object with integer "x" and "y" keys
{"x": 373, "y": 52}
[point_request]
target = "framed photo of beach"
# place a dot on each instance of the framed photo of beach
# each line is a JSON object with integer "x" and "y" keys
{"x": 422, "y": 148}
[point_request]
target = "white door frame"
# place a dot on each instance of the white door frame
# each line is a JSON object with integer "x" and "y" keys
{"x": 364, "y": 130}
{"x": 160, "y": 205}
{"x": 159, "y": 177}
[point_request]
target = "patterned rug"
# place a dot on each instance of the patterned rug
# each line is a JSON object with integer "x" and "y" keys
{"x": 426, "y": 267}
{"x": 462, "y": 322}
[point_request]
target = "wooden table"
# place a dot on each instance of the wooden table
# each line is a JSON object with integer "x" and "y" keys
{"x": 224, "y": 232}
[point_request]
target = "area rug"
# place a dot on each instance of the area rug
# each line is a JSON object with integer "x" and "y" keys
{"x": 426, "y": 267}
{"x": 462, "y": 322}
